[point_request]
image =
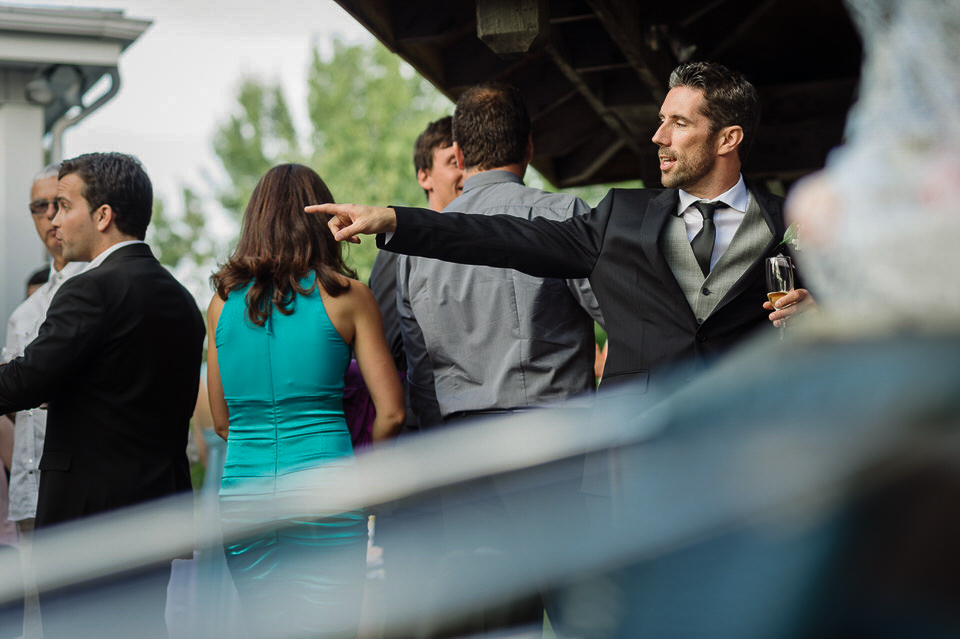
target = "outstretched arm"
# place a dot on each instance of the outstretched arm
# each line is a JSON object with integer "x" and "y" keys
{"x": 540, "y": 247}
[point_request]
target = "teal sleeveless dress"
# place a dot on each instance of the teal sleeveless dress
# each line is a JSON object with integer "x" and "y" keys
{"x": 283, "y": 384}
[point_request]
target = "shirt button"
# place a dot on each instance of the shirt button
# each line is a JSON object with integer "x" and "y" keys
{"x": 705, "y": 290}
{"x": 701, "y": 338}
{"x": 699, "y": 320}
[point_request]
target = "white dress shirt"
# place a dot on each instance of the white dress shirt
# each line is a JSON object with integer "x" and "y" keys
{"x": 30, "y": 425}
{"x": 726, "y": 220}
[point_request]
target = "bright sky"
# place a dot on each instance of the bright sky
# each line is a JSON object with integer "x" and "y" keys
{"x": 180, "y": 79}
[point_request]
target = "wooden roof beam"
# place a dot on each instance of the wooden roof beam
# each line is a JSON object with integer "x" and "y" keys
{"x": 595, "y": 101}
{"x": 622, "y": 21}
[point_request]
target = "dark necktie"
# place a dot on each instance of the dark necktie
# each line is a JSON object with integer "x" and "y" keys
{"x": 702, "y": 242}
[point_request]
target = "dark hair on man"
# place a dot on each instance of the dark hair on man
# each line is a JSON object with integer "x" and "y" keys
{"x": 119, "y": 180}
{"x": 437, "y": 135}
{"x": 729, "y": 98}
{"x": 280, "y": 244}
{"x": 39, "y": 277}
{"x": 491, "y": 126}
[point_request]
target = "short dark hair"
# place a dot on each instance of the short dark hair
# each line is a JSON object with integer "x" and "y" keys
{"x": 729, "y": 98}
{"x": 491, "y": 125}
{"x": 437, "y": 135}
{"x": 119, "y": 180}
{"x": 40, "y": 276}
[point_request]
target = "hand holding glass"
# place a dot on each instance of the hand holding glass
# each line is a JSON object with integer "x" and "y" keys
{"x": 779, "y": 282}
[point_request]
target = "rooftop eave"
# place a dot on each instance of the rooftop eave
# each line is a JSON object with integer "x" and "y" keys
{"x": 82, "y": 23}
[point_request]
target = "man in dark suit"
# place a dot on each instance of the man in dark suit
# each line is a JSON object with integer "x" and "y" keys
{"x": 117, "y": 359}
{"x": 664, "y": 302}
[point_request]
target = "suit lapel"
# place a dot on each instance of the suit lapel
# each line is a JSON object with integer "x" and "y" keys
{"x": 658, "y": 212}
{"x": 767, "y": 204}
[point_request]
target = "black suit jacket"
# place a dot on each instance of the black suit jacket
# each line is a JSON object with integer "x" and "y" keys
{"x": 118, "y": 362}
{"x": 649, "y": 322}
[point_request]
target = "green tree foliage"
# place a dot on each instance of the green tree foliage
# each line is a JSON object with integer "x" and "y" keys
{"x": 258, "y": 136}
{"x": 365, "y": 109}
{"x": 177, "y": 239}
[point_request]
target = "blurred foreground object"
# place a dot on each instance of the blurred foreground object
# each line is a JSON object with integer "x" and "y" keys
{"x": 880, "y": 223}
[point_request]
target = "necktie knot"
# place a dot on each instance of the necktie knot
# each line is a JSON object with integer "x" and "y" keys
{"x": 707, "y": 209}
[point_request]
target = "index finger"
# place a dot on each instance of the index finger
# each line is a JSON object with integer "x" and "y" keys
{"x": 329, "y": 208}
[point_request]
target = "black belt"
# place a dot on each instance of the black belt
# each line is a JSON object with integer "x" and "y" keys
{"x": 467, "y": 414}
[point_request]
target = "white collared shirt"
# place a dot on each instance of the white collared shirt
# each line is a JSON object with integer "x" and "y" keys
{"x": 727, "y": 220}
{"x": 98, "y": 260}
{"x": 30, "y": 425}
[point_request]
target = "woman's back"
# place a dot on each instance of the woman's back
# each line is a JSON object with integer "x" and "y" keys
{"x": 283, "y": 383}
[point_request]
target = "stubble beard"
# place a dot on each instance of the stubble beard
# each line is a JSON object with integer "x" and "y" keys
{"x": 689, "y": 170}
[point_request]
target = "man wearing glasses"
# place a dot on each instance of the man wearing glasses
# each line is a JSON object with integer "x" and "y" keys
{"x": 22, "y": 328}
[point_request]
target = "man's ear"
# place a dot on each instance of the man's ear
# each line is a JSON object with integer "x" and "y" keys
{"x": 729, "y": 139}
{"x": 103, "y": 217}
{"x": 458, "y": 153}
{"x": 425, "y": 179}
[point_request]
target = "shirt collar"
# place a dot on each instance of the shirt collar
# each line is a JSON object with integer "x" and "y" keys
{"x": 69, "y": 270}
{"x": 98, "y": 260}
{"x": 495, "y": 176}
{"x": 736, "y": 198}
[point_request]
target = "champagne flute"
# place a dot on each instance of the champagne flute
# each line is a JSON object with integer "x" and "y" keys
{"x": 779, "y": 282}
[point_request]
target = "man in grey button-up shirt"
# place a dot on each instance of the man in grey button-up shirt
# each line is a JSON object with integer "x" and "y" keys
{"x": 442, "y": 181}
{"x": 496, "y": 339}
{"x": 489, "y": 339}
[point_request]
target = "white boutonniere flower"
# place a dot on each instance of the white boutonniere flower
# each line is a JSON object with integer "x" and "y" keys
{"x": 791, "y": 238}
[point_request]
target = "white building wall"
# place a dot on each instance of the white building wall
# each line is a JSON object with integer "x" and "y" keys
{"x": 21, "y": 157}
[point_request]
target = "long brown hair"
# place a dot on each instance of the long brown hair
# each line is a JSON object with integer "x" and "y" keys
{"x": 279, "y": 244}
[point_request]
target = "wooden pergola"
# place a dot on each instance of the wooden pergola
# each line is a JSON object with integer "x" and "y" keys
{"x": 594, "y": 72}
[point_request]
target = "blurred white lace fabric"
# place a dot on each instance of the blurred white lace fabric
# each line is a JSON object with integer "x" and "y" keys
{"x": 883, "y": 218}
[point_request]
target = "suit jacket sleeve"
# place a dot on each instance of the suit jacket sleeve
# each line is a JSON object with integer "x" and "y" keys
{"x": 580, "y": 288}
{"x": 565, "y": 249}
{"x": 68, "y": 337}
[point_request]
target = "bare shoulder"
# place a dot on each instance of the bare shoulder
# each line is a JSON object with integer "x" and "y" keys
{"x": 357, "y": 295}
{"x": 214, "y": 308}
{"x": 362, "y": 292}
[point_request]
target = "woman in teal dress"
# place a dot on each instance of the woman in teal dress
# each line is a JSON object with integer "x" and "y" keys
{"x": 282, "y": 325}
